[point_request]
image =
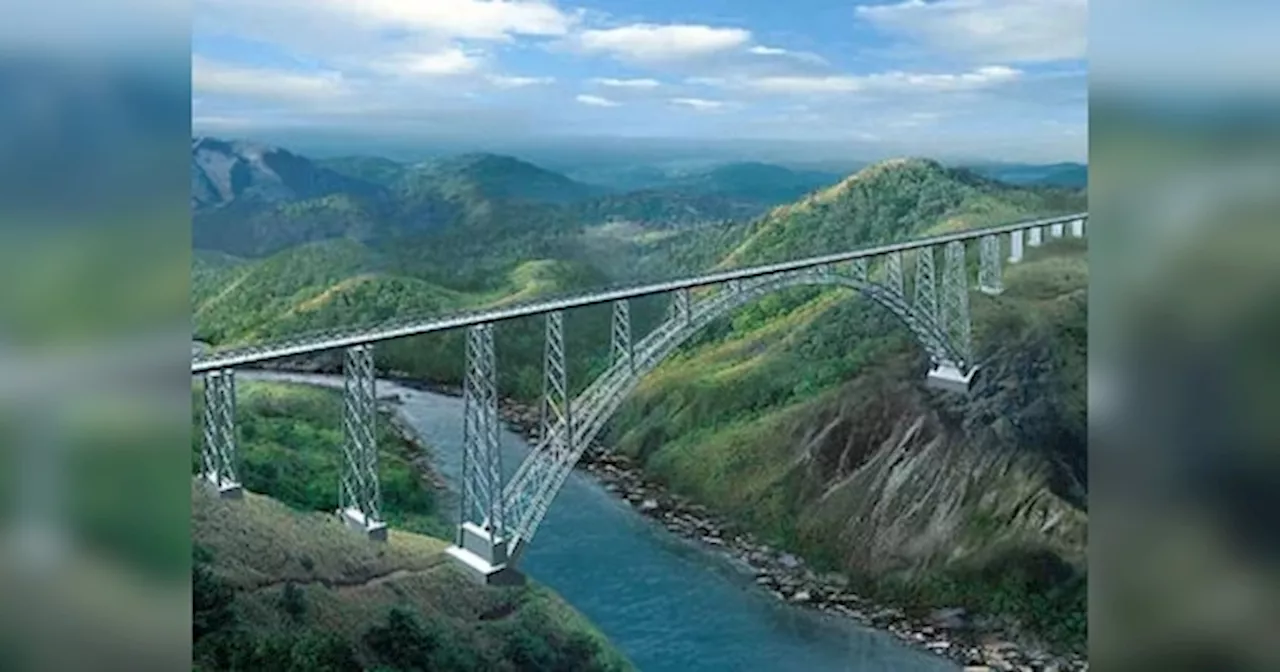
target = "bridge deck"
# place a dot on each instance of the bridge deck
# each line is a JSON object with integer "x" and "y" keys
{"x": 211, "y": 361}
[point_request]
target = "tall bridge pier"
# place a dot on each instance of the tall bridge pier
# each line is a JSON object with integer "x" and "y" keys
{"x": 499, "y": 517}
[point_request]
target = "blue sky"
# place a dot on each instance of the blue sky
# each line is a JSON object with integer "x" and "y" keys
{"x": 1000, "y": 79}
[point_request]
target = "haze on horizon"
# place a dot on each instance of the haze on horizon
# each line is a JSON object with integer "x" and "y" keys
{"x": 819, "y": 80}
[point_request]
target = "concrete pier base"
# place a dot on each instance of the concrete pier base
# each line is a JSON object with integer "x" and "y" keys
{"x": 947, "y": 378}
{"x": 483, "y": 557}
{"x": 225, "y": 489}
{"x": 1035, "y": 236}
{"x": 1077, "y": 228}
{"x": 1056, "y": 230}
{"x": 354, "y": 518}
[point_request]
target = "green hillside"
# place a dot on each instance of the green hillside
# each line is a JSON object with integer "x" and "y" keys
{"x": 280, "y": 584}
{"x": 830, "y": 446}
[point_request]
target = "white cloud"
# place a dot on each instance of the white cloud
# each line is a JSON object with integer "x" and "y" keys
{"x": 595, "y": 101}
{"x": 761, "y": 50}
{"x": 237, "y": 81}
{"x": 627, "y": 83}
{"x": 514, "y": 82}
{"x": 651, "y": 43}
{"x": 895, "y": 82}
{"x": 700, "y": 104}
{"x": 472, "y": 19}
{"x": 990, "y": 30}
{"x": 448, "y": 62}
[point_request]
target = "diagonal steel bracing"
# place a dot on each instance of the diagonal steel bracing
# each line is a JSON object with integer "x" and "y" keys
{"x": 926, "y": 287}
{"x": 989, "y": 271}
{"x": 680, "y": 305}
{"x": 220, "y": 452}
{"x": 556, "y": 413}
{"x": 361, "y": 493}
{"x": 481, "y": 458}
{"x": 893, "y": 273}
{"x": 955, "y": 303}
{"x": 623, "y": 350}
{"x": 858, "y": 269}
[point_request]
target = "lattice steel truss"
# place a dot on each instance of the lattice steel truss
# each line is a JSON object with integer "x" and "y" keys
{"x": 219, "y": 455}
{"x": 481, "y": 458}
{"x": 556, "y": 411}
{"x": 360, "y": 488}
{"x": 530, "y": 491}
{"x": 893, "y": 279}
{"x": 858, "y": 269}
{"x": 989, "y": 270}
{"x": 622, "y": 348}
{"x": 926, "y": 286}
{"x": 955, "y": 304}
{"x": 680, "y": 305}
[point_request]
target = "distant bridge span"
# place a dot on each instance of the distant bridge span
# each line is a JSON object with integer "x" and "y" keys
{"x": 498, "y": 520}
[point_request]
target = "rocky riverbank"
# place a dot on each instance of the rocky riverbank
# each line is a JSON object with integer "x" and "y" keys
{"x": 976, "y": 643}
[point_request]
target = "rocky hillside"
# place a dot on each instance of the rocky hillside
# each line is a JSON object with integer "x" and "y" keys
{"x": 831, "y": 446}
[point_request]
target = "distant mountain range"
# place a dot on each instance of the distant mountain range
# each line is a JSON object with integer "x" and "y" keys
{"x": 251, "y": 199}
{"x": 1068, "y": 175}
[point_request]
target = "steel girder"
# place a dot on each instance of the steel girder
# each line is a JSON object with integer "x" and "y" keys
{"x": 220, "y": 453}
{"x": 481, "y": 458}
{"x": 361, "y": 491}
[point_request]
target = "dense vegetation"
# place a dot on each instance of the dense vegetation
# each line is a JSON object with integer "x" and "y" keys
{"x": 256, "y": 611}
{"x": 822, "y": 386}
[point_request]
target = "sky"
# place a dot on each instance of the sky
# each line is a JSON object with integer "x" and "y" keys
{"x": 990, "y": 79}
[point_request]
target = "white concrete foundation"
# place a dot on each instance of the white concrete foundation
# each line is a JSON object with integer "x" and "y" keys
{"x": 1035, "y": 236}
{"x": 1055, "y": 230}
{"x": 948, "y": 378}
{"x": 1015, "y": 247}
{"x": 483, "y": 557}
{"x": 225, "y": 489}
{"x": 377, "y": 530}
{"x": 1077, "y": 228}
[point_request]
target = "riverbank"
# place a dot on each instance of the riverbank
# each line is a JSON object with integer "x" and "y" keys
{"x": 950, "y": 633}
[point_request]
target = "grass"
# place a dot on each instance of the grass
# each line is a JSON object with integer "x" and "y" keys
{"x": 308, "y": 593}
{"x": 281, "y": 583}
{"x": 740, "y": 423}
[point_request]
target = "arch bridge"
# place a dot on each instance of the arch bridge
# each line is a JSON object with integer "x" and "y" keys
{"x": 499, "y": 519}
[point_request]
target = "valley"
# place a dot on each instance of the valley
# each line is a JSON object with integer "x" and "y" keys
{"x": 798, "y": 419}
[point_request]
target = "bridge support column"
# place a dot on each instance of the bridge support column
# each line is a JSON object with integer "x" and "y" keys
{"x": 622, "y": 347}
{"x": 893, "y": 273}
{"x": 219, "y": 455}
{"x": 990, "y": 280}
{"x": 926, "y": 289}
{"x": 1077, "y": 228}
{"x": 1035, "y": 236}
{"x": 859, "y": 269}
{"x": 1056, "y": 230}
{"x": 681, "y": 306}
{"x": 954, "y": 375}
{"x": 1015, "y": 247}
{"x": 481, "y": 548}
{"x": 361, "y": 494}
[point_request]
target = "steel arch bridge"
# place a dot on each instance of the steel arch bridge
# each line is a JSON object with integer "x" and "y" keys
{"x": 499, "y": 519}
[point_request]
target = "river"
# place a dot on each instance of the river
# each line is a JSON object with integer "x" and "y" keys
{"x": 669, "y": 604}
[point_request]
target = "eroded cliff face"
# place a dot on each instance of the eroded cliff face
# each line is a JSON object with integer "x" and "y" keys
{"x": 893, "y": 479}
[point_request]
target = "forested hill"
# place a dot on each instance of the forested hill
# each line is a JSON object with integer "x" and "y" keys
{"x": 891, "y": 201}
